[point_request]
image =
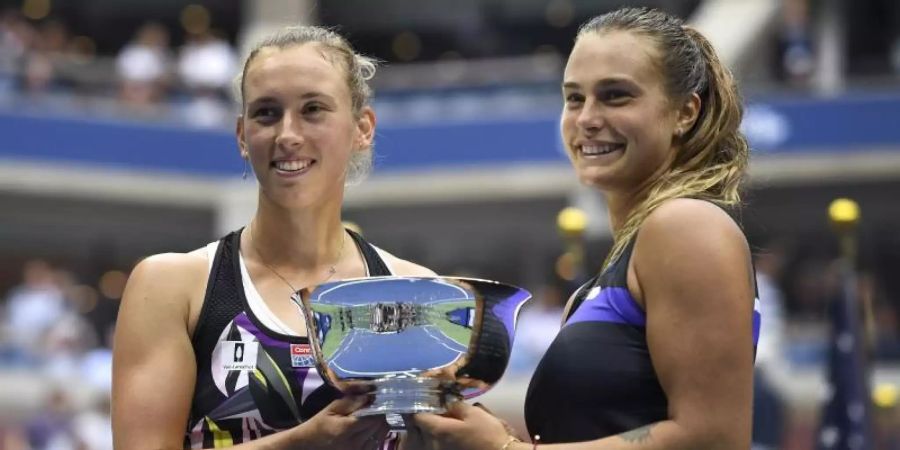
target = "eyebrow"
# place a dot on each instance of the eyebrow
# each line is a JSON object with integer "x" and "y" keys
{"x": 606, "y": 82}
{"x": 305, "y": 96}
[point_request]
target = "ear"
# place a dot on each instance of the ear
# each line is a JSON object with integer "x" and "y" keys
{"x": 687, "y": 114}
{"x": 365, "y": 128}
{"x": 239, "y": 132}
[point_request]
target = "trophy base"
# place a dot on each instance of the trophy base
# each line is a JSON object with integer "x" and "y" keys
{"x": 397, "y": 396}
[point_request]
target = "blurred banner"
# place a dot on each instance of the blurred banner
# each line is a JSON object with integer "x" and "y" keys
{"x": 843, "y": 125}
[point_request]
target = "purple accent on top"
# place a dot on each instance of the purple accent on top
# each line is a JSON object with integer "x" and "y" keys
{"x": 507, "y": 309}
{"x": 243, "y": 321}
{"x": 611, "y": 304}
{"x": 757, "y": 322}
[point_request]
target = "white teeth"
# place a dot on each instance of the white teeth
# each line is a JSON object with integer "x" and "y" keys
{"x": 599, "y": 149}
{"x": 292, "y": 166}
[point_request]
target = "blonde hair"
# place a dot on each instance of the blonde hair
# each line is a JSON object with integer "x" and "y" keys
{"x": 358, "y": 70}
{"x": 713, "y": 155}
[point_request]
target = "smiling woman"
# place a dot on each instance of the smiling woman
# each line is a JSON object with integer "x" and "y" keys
{"x": 656, "y": 351}
{"x": 206, "y": 338}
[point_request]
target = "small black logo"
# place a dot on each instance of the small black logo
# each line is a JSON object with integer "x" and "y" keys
{"x": 239, "y": 352}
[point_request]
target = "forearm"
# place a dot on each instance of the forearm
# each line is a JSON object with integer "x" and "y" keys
{"x": 666, "y": 435}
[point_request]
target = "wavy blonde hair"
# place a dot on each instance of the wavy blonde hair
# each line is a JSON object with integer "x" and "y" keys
{"x": 358, "y": 70}
{"x": 713, "y": 155}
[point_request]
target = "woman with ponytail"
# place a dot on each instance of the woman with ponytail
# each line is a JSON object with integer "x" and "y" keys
{"x": 656, "y": 352}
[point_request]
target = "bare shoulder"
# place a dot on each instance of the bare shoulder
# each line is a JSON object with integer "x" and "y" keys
{"x": 172, "y": 268}
{"x": 168, "y": 279}
{"x": 693, "y": 241}
{"x": 690, "y": 222}
{"x": 406, "y": 268}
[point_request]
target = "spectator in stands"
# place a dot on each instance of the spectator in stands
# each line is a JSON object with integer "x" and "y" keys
{"x": 51, "y": 428}
{"x": 33, "y": 308}
{"x": 144, "y": 66}
{"x": 798, "y": 60}
{"x": 206, "y": 66}
{"x": 15, "y": 38}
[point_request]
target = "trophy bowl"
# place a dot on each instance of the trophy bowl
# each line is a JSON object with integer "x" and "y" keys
{"x": 416, "y": 342}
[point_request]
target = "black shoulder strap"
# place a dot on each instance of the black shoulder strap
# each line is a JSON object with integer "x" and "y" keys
{"x": 222, "y": 302}
{"x": 376, "y": 265}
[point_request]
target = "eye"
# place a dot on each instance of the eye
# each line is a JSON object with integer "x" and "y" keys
{"x": 574, "y": 99}
{"x": 313, "y": 108}
{"x": 615, "y": 96}
{"x": 265, "y": 113}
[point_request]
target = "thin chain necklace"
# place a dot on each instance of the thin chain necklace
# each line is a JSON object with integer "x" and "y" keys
{"x": 331, "y": 270}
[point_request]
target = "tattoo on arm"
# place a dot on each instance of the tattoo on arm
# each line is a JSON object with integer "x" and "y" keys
{"x": 637, "y": 435}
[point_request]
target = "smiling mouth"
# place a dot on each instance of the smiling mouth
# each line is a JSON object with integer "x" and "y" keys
{"x": 292, "y": 166}
{"x": 599, "y": 149}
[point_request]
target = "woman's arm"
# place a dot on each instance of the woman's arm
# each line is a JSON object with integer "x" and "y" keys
{"x": 691, "y": 269}
{"x": 153, "y": 360}
{"x": 693, "y": 273}
{"x": 691, "y": 265}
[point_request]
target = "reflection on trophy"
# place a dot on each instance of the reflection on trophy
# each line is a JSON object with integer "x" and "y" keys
{"x": 420, "y": 341}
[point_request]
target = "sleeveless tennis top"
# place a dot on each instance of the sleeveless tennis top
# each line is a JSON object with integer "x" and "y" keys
{"x": 596, "y": 378}
{"x": 254, "y": 376}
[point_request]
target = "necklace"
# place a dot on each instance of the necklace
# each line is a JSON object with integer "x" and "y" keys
{"x": 331, "y": 270}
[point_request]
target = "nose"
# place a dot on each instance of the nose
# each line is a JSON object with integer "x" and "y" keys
{"x": 290, "y": 134}
{"x": 590, "y": 118}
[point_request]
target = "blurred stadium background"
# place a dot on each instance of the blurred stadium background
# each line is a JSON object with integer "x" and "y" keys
{"x": 117, "y": 142}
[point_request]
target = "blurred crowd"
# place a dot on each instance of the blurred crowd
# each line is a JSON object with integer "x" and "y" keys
{"x": 41, "y": 64}
{"x": 55, "y": 342}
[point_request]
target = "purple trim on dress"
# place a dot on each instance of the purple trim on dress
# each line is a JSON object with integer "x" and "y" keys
{"x": 757, "y": 322}
{"x": 243, "y": 321}
{"x": 611, "y": 304}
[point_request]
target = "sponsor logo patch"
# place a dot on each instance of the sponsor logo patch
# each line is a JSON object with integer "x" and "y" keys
{"x": 302, "y": 356}
{"x": 239, "y": 355}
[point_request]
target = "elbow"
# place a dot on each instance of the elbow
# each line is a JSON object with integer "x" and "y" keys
{"x": 715, "y": 435}
{"x": 734, "y": 436}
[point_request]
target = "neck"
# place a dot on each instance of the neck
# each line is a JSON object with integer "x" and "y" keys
{"x": 620, "y": 205}
{"x": 298, "y": 239}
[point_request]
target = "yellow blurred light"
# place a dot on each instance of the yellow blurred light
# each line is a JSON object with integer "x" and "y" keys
{"x": 112, "y": 284}
{"x": 843, "y": 211}
{"x": 36, "y": 9}
{"x": 195, "y": 19}
{"x": 886, "y": 395}
{"x": 407, "y": 46}
{"x": 571, "y": 220}
{"x": 560, "y": 13}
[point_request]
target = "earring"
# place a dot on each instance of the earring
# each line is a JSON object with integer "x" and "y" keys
{"x": 246, "y": 169}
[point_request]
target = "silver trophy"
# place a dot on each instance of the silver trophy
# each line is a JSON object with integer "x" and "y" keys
{"x": 416, "y": 342}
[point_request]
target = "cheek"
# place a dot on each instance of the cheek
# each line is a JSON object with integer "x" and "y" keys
{"x": 567, "y": 126}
